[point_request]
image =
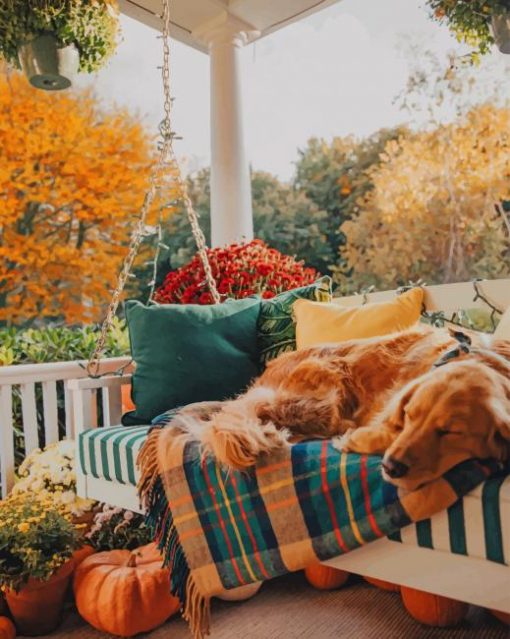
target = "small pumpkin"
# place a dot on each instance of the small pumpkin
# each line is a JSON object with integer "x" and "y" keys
{"x": 7, "y": 628}
{"x": 325, "y": 578}
{"x": 127, "y": 402}
{"x": 433, "y": 610}
{"x": 384, "y": 585}
{"x": 242, "y": 593}
{"x": 124, "y": 592}
{"x": 504, "y": 617}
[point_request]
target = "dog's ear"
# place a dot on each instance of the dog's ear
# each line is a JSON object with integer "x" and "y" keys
{"x": 500, "y": 409}
{"x": 501, "y": 347}
{"x": 395, "y": 415}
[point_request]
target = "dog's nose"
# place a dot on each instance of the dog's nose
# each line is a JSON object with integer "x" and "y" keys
{"x": 393, "y": 468}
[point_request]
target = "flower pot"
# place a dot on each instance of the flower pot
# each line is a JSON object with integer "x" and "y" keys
{"x": 82, "y": 553}
{"x": 500, "y": 24}
{"x": 37, "y": 607}
{"x": 46, "y": 65}
{"x": 3, "y": 605}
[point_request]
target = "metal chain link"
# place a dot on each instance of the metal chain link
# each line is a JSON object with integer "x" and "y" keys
{"x": 166, "y": 160}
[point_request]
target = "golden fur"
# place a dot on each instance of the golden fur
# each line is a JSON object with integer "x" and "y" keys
{"x": 382, "y": 395}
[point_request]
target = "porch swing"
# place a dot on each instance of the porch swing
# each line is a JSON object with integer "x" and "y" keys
{"x": 428, "y": 555}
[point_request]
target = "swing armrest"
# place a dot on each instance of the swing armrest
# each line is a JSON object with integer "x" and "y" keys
{"x": 89, "y": 393}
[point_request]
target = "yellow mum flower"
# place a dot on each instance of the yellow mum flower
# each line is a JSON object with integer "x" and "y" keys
{"x": 24, "y": 527}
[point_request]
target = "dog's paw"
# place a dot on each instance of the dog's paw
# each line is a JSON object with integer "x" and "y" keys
{"x": 341, "y": 442}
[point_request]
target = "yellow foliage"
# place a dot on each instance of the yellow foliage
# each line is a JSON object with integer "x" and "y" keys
{"x": 72, "y": 179}
{"x": 431, "y": 214}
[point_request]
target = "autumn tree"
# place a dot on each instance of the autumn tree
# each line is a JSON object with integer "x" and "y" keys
{"x": 434, "y": 211}
{"x": 72, "y": 177}
{"x": 334, "y": 175}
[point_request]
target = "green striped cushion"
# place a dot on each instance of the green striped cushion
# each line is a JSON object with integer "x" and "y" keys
{"x": 110, "y": 453}
{"x": 476, "y": 526}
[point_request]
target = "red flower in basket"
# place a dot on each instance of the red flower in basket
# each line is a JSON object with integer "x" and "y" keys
{"x": 240, "y": 270}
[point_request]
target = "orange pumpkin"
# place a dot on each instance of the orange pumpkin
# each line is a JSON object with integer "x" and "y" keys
{"x": 124, "y": 593}
{"x": 433, "y": 610}
{"x": 384, "y": 585}
{"x": 324, "y": 577}
{"x": 82, "y": 553}
{"x": 504, "y": 617}
{"x": 127, "y": 402}
{"x": 7, "y": 629}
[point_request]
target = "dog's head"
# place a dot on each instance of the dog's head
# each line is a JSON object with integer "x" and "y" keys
{"x": 456, "y": 412}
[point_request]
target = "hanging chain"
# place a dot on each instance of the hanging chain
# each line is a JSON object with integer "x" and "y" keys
{"x": 166, "y": 160}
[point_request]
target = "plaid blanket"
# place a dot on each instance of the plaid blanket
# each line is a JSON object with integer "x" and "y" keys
{"x": 310, "y": 502}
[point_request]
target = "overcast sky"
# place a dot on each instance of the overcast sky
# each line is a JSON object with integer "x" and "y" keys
{"x": 335, "y": 73}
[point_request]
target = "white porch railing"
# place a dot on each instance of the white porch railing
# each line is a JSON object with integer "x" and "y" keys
{"x": 23, "y": 382}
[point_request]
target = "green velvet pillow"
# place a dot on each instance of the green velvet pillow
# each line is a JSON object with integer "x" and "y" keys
{"x": 276, "y": 326}
{"x": 190, "y": 353}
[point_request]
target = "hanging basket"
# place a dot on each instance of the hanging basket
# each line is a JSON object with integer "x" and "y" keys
{"x": 48, "y": 66}
{"x": 500, "y": 24}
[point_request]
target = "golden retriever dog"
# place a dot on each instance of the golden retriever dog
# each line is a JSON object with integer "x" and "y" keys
{"x": 424, "y": 398}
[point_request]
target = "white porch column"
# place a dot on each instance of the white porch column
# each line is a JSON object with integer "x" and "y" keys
{"x": 231, "y": 205}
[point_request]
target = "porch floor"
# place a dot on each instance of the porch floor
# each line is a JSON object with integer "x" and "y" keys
{"x": 288, "y": 608}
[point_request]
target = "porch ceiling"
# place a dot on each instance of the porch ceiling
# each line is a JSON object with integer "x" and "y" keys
{"x": 188, "y": 16}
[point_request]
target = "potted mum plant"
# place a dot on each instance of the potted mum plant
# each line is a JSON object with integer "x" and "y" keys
{"x": 51, "y": 475}
{"x": 36, "y": 546}
{"x": 240, "y": 270}
{"x": 118, "y": 529}
{"x": 478, "y": 23}
{"x": 52, "y": 41}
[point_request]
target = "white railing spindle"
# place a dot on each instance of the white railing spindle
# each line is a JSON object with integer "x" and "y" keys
{"x": 68, "y": 410}
{"x": 29, "y": 414}
{"x": 50, "y": 411}
{"x": 6, "y": 439}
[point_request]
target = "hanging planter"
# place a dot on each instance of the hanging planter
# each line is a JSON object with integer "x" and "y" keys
{"x": 52, "y": 41}
{"x": 500, "y": 24}
{"x": 48, "y": 66}
{"x": 477, "y": 23}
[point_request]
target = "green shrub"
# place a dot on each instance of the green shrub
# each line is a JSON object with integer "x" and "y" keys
{"x": 58, "y": 344}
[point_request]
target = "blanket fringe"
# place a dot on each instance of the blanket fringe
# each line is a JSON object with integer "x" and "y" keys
{"x": 147, "y": 461}
{"x": 197, "y": 611}
{"x": 194, "y": 606}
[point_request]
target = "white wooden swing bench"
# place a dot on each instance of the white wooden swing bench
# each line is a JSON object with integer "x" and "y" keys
{"x": 470, "y": 577}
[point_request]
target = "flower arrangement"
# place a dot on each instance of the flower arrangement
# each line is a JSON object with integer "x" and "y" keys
{"x": 470, "y": 20}
{"x": 118, "y": 529}
{"x": 91, "y": 25}
{"x": 240, "y": 270}
{"x": 50, "y": 474}
{"x": 35, "y": 540}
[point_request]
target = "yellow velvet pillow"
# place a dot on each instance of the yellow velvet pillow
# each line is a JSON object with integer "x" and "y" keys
{"x": 319, "y": 323}
{"x": 503, "y": 329}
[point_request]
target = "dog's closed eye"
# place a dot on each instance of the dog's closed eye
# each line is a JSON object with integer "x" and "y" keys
{"x": 444, "y": 431}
